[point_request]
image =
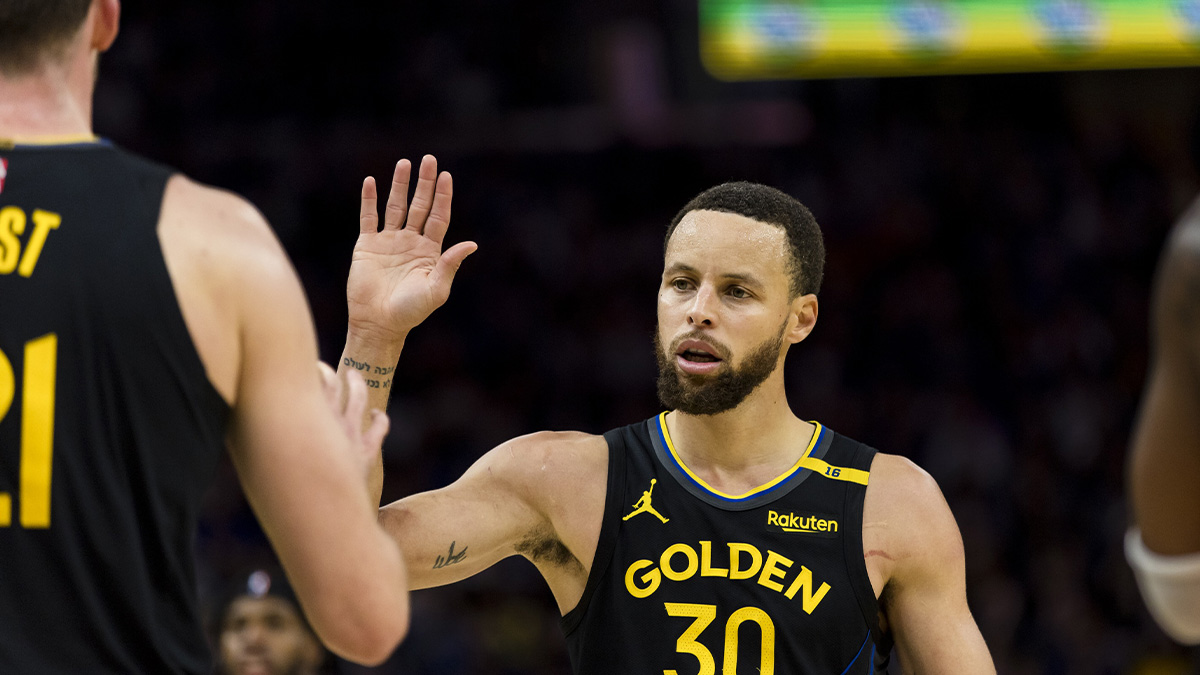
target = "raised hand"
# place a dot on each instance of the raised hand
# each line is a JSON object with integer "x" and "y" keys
{"x": 399, "y": 274}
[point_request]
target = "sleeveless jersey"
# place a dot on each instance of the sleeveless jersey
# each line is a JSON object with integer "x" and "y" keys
{"x": 690, "y": 581}
{"x": 109, "y": 427}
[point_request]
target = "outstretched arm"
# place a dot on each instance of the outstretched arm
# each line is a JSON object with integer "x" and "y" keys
{"x": 540, "y": 496}
{"x": 925, "y": 598}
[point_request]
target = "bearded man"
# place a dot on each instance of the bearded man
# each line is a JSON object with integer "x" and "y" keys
{"x": 726, "y": 533}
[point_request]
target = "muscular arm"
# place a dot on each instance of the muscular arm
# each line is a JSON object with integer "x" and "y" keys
{"x": 540, "y": 496}
{"x": 293, "y": 456}
{"x": 924, "y": 596}
{"x": 1165, "y": 459}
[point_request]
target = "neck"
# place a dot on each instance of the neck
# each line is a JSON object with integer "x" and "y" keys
{"x": 53, "y": 102}
{"x": 744, "y": 447}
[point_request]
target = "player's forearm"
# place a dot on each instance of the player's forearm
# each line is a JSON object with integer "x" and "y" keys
{"x": 377, "y": 364}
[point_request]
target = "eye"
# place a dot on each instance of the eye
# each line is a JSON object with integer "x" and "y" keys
{"x": 739, "y": 292}
{"x": 681, "y": 284}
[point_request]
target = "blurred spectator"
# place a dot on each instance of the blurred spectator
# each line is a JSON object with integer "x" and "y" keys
{"x": 262, "y": 631}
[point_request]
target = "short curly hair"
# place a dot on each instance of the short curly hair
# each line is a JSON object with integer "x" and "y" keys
{"x": 31, "y": 30}
{"x": 774, "y": 207}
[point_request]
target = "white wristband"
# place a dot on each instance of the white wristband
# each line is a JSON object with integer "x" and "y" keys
{"x": 1170, "y": 585}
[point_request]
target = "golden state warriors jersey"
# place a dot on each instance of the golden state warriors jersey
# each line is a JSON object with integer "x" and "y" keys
{"x": 688, "y": 580}
{"x": 109, "y": 428}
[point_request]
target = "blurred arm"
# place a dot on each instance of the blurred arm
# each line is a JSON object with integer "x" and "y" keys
{"x": 1165, "y": 458}
{"x": 301, "y": 472}
{"x": 925, "y": 598}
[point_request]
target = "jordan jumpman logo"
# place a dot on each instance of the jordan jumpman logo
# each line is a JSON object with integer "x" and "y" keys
{"x": 643, "y": 504}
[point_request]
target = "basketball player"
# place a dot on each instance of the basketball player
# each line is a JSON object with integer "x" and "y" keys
{"x": 261, "y": 630}
{"x": 725, "y": 535}
{"x": 144, "y": 320}
{"x": 1164, "y": 545}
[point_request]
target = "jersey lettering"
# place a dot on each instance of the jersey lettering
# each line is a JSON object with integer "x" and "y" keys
{"x": 13, "y": 223}
{"x": 680, "y": 562}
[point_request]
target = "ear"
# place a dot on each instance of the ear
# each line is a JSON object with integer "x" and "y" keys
{"x": 803, "y": 318}
{"x": 106, "y": 23}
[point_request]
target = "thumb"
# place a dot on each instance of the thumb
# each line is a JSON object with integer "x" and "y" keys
{"x": 447, "y": 265}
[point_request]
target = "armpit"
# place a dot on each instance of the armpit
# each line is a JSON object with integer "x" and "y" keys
{"x": 543, "y": 546}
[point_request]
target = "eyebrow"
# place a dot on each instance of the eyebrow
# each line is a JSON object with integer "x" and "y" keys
{"x": 746, "y": 278}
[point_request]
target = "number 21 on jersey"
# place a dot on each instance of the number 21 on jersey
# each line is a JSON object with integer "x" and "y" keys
{"x": 37, "y": 429}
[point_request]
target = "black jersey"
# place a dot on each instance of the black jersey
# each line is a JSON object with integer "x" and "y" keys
{"x": 109, "y": 427}
{"x": 688, "y": 580}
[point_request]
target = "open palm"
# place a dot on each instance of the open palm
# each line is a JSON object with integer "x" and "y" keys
{"x": 399, "y": 274}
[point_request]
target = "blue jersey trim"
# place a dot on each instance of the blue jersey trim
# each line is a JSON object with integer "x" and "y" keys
{"x": 860, "y": 651}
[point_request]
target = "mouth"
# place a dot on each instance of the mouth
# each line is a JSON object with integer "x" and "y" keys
{"x": 696, "y": 357}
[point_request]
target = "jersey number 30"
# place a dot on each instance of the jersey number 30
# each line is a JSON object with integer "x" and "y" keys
{"x": 704, "y": 615}
{"x": 37, "y": 429}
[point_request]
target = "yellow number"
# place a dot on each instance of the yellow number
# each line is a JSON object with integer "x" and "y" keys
{"x": 704, "y": 615}
{"x": 767, "y": 662}
{"x": 37, "y": 430}
{"x": 8, "y": 388}
{"x": 686, "y": 644}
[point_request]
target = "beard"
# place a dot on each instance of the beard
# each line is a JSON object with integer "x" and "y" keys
{"x": 710, "y": 395}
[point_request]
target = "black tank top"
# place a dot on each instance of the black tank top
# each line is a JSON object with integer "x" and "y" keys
{"x": 109, "y": 427}
{"x": 688, "y": 580}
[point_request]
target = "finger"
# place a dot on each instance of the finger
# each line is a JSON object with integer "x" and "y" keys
{"x": 368, "y": 211}
{"x": 329, "y": 378}
{"x": 439, "y": 215}
{"x": 374, "y": 435}
{"x": 332, "y": 385}
{"x": 447, "y": 266}
{"x": 423, "y": 196}
{"x": 397, "y": 204}
{"x": 356, "y": 400}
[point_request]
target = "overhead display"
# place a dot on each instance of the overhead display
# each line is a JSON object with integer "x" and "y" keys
{"x": 770, "y": 39}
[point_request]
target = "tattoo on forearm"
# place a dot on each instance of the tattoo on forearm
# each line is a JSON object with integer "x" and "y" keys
{"x": 450, "y": 557}
{"x": 367, "y": 369}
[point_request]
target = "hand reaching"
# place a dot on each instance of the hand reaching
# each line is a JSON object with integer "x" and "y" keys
{"x": 348, "y": 399}
{"x": 399, "y": 274}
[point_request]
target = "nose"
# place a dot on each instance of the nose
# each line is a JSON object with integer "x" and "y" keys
{"x": 254, "y": 634}
{"x": 703, "y": 311}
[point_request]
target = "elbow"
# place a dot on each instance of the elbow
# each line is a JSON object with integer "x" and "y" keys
{"x": 368, "y": 641}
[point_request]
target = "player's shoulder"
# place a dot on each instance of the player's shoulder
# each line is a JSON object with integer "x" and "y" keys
{"x": 219, "y": 231}
{"x": 211, "y": 207}
{"x": 902, "y": 482}
{"x": 549, "y": 461}
{"x": 554, "y": 448}
{"x": 905, "y": 502}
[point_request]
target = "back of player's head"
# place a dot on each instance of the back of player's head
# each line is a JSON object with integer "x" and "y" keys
{"x": 774, "y": 207}
{"x": 33, "y": 30}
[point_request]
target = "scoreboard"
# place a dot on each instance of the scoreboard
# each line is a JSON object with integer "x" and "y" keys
{"x": 770, "y": 39}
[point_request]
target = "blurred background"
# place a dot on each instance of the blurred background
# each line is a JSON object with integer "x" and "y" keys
{"x": 991, "y": 238}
